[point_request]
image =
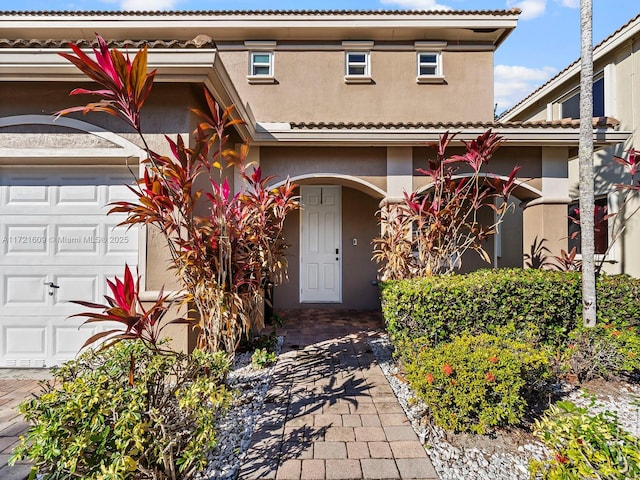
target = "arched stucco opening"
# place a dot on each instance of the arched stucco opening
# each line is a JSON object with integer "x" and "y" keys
{"x": 508, "y": 247}
{"x": 358, "y": 226}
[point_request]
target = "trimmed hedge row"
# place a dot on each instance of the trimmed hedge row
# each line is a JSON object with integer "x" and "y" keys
{"x": 440, "y": 307}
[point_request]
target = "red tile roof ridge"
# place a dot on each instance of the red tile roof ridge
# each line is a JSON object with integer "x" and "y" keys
{"x": 513, "y": 11}
{"x": 201, "y": 41}
{"x": 598, "y": 122}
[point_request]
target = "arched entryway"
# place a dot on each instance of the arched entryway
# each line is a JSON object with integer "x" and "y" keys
{"x": 329, "y": 261}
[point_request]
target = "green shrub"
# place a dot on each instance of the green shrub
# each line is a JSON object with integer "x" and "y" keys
{"x": 475, "y": 383}
{"x": 601, "y": 352}
{"x": 440, "y": 307}
{"x": 585, "y": 446}
{"x": 92, "y": 423}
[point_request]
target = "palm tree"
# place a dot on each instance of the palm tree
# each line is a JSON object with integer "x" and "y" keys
{"x": 585, "y": 153}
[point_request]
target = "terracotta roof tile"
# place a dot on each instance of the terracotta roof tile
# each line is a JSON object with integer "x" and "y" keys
{"x": 293, "y": 13}
{"x": 568, "y": 67}
{"x": 201, "y": 41}
{"x": 598, "y": 122}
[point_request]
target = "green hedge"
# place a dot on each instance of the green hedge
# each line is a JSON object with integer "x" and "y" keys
{"x": 440, "y": 307}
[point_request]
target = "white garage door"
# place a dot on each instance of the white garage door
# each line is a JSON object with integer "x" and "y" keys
{"x": 54, "y": 232}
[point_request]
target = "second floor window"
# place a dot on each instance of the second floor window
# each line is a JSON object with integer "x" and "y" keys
{"x": 428, "y": 64}
{"x": 261, "y": 64}
{"x": 357, "y": 64}
{"x": 571, "y": 106}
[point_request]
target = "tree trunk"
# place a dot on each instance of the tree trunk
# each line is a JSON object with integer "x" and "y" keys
{"x": 585, "y": 152}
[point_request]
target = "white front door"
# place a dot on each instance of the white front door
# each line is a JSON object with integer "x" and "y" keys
{"x": 57, "y": 244}
{"x": 320, "y": 244}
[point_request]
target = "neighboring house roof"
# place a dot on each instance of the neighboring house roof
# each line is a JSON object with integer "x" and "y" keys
{"x": 613, "y": 41}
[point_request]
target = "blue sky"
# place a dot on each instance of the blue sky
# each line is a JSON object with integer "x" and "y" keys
{"x": 546, "y": 40}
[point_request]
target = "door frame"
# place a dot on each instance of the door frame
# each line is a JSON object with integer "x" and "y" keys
{"x": 338, "y": 188}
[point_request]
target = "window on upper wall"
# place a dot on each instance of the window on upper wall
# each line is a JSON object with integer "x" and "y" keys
{"x": 260, "y": 66}
{"x": 601, "y": 229}
{"x": 429, "y": 64}
{"x": 357, "y": 64}
{"x": 570, "y": 107}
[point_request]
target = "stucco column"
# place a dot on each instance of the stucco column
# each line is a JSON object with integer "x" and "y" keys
{"x": 253, "y": 159}
{"x": 546, "y": 217}
{"x": 399, "y": 176}
{"x": 399, "y": 172}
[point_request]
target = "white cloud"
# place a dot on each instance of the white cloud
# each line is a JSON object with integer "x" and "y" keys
{"x": 513, "y": 82}
{"x": 530, "y": 8}
{"x": 149, "y": 5}
{"x": 570, "y": 3}
{"x": 417, "y": 4}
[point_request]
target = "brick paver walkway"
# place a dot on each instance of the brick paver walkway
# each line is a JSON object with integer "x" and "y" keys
{"x": 330, "y": 412}
{"x": 15, "y": 386}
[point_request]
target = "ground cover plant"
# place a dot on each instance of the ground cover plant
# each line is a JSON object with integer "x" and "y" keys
{"x": 585, "y": 445}
{"x": 91, "y": 423}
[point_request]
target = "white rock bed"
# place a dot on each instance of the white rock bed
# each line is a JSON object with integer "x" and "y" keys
{"x": 236, "y": 426}
{"x": 626, "y": 406}
{"x": 451, "y": 462}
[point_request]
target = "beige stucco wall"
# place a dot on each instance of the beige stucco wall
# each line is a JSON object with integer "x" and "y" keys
{"x": 502, "y": 163}
{"x": 358, "y": 270}
{"x": 310, "y": 86}
{"x": 365, "y": 163}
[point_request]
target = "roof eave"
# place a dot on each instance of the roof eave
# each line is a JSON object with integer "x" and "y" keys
{"x": 185, "y": 25}
{"x": 414, "y": 137}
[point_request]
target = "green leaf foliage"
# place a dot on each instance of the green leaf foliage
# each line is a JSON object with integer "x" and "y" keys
{"x": 475, "y": 383}
{"x": 585, "y": 446}
{"x": 440, "y": 307}
{"x": 91, "y": 423}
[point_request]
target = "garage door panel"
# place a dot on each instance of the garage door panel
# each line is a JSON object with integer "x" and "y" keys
{"x": 24, "y": 290}
{"x": 86, "y": 193}
{"x": 77, "y": 287}
{"x": 31, "y": 192}
{"x": 121, "y": 241}
{"x": 29, "y": 239}
{"x": 68, "y": 340}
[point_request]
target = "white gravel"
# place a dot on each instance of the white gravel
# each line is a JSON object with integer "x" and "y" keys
{"x": 453, "y": 463}
{"x": 236, "y": 426}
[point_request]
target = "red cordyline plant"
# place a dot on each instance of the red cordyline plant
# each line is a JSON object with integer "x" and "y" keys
{"x": 631, "y": 163}
{"x": 428, "y": 233}
{"x": 223, "y": 258}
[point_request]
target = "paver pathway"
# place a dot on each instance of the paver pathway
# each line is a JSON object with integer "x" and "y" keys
{"x": 15, "y": 386}
{"x": 330, "y": 412}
